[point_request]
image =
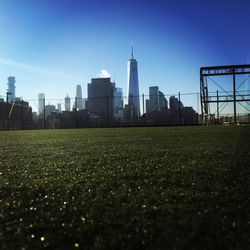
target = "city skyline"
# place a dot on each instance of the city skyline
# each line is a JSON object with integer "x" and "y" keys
{"x": 54, "y": 46}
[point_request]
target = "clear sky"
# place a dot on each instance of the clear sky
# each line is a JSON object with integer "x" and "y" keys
{"x": 50, "y": 46}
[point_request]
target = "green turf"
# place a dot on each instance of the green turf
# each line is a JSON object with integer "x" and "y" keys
{"x": 126, "y": 188}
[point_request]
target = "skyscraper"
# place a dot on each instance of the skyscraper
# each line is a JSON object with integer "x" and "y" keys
{"x": 156, "y": 101}
{"x": 101, "y": 98}
{"x": 163, "y": 103}
{"x": 175, "y": 104}
{"x": 11, "y": 88}
{"x": 41, "y": 99}
{"x": 133, "y": 88}
{"x": 79, "y": 97}
{"x": 59, "y": 107}
{"x": 118, "y": 99}
{"x": 154, "y": 98}
{"x": 67, "y": 103}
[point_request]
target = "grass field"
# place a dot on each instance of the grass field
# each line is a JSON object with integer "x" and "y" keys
{"x": 126, "y": 188}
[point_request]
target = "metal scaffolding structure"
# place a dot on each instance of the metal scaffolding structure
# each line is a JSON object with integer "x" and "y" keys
{"x": 233, "y": 95}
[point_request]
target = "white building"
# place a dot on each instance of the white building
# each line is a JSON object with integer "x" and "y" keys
{"x": 41, "y": 103}
{"x": 79, "y": 97}
{"x": 67, "y": 103}
{"x": 59, "y": 107}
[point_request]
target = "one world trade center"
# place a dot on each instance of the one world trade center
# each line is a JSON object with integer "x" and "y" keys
{"x": 133, "y": 88}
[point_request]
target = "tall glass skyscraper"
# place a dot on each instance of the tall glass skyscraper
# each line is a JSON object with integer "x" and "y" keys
{"x": 79, "y": 97}
{"x": 11, "y": 88}
{"x": 133, "y": 88}
{"x": 67, "y": 103}
{"x": 41, "y": 104}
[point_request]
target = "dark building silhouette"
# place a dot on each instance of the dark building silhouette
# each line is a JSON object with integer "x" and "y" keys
{"x": 49, "y": 109}
{"x": 15, "y": 115}
{"x": 101, "y": 100}
{"x": 153, "y": 102}
{"x": 156, "y": 101}
{"x": 157, "y": 112}
{"x": 163, "y": 103}
{"x": 189, "y": 116}
{"x": 175, "y": 104}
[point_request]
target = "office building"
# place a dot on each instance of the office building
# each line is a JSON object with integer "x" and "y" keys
{"x": 163, "y": 103}
{"x": 79, "y": 97}
{"x": 101, "y": 98}
{"x": 11, "y": 91}
{"x": 59, "y": 107}
{"x": 41, "y": 103}
{"x": 67, "y": 103}
{"x": 175, "y": 104}
{"x": 17, "y": 116}
{"x": 156, "y": 101}
{"x": 133, "y": 88}
{"x": 49, "y": 109}
{"x": 153, "y": 99}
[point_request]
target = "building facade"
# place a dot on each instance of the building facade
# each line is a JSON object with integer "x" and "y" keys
{"x": 79, "y": 97}
{"x": 153, "y": 98}
{"x": 163, "y": 103}
{"x": 59, "y": 107}
{"x": 67, "y": 103}
{"x": 17, "y": 115}
{"x": 41, "y": 103}
{"x": 11, "y": 89}
{"x": 156, "y": 101}
{"x": 101, "y": 99}
{"x": 174, "y": 103}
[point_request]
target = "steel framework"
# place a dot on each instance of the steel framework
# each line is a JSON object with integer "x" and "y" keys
{"x": 230, "y": 96}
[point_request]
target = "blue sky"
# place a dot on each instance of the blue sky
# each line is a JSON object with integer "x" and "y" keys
{"x": 51, "y": 46}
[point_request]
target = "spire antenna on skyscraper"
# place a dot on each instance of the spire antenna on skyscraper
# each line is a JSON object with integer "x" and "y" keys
{"x": 132, "y": 50}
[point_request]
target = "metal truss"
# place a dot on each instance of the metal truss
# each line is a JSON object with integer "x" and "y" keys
{"x": 229, "y": 96}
